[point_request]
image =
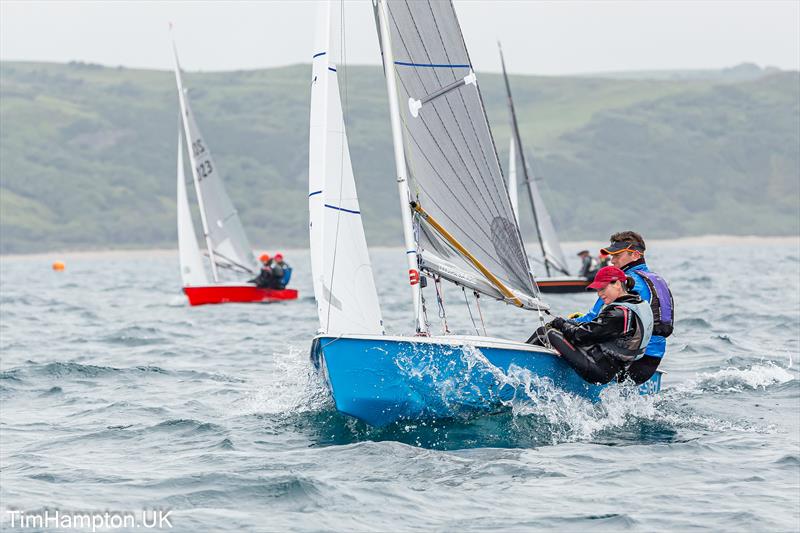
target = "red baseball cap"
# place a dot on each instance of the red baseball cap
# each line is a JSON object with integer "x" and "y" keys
{"x": 605, "y": 276}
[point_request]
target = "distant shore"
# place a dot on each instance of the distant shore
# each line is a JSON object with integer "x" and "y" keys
{"x": 568, "y": 245}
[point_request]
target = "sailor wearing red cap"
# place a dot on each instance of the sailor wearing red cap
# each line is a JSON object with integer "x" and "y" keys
{"x": 602, "y": 349}
{"x": 627, "y": 251}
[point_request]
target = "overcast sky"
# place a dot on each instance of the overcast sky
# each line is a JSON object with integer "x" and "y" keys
{"x": 538, "y": 37}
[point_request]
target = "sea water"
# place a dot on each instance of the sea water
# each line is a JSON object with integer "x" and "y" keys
{"x": 116, "y": 397}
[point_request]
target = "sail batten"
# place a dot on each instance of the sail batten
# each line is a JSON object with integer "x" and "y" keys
{"x": 454, "y": 172}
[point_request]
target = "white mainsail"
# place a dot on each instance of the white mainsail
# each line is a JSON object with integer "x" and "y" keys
{"x": 552, "y": 255}
{"x": 344, "y": 288}
{"x": 227, "y": 243}
{"x": 192, "y": 272}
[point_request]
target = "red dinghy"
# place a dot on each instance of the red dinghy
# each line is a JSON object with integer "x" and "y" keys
{"x": 227, "y": 245}
{"x": 236, "y": 293}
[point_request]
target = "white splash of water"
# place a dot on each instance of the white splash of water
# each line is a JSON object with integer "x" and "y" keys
{"x": 573, "y": 418}
{"x": 294, "y": 387}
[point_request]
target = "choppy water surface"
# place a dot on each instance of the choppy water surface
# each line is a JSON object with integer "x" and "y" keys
{"x": 118, "y": 396}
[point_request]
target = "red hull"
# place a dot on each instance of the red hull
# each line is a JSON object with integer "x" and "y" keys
{"x": 221, "y": 294}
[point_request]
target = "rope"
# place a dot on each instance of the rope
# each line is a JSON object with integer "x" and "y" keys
{"x": 470, "y": 312}
{"x": 437, "y": 283}
{"x": 478, "y": 304}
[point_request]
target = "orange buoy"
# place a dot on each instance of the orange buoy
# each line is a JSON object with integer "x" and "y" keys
{"x": 58, "y": 266}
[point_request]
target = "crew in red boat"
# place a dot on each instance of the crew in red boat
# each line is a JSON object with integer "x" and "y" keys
{"x": 265, "y": 278}
{"x": 281, "y": 271}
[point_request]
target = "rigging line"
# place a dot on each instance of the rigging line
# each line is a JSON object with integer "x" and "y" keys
{"x": 467, "y": 254}
{"x": 455, "y": 145}
{"x": 232, "y": 262}
{"x": 344, "y": 102}
{"x": 461, "y": 96}
{"x": 480, "y": 313}
{"x": 441, "y": 118}
{"x": 521, "y": 155}
{"x": 466, "y": 300}
{"x": 437, "y": 283}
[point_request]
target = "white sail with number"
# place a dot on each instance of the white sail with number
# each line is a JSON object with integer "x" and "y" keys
{"x": 347, "y": 301}
{"x": 225, "y": 237}
{"x": 192, "y": 271}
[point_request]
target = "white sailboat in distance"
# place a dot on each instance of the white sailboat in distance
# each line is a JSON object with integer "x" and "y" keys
{"x": 226, "y": 243}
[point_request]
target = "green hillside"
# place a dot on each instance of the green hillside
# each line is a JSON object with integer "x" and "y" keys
{"x": 87, "y": 153}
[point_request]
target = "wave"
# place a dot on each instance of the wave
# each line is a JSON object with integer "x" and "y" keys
{"x": 537, "y": 413}
{"x": 754, "y": 377}
{"x": 68, "y": 369}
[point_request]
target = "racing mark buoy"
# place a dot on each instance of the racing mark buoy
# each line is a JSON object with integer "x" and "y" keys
{"x": 58, "y": 266}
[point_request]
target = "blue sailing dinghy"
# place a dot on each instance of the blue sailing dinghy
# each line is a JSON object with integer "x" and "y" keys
{"x": 459, "y": 227}
{"x": 385, "y": 379}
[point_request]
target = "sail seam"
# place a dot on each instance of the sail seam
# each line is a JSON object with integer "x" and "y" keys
{"x": 430, "y": 65}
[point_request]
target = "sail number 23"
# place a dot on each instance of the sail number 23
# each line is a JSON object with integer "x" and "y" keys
{"x": 204, "y": 169}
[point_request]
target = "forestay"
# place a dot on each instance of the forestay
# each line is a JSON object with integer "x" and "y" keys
{"x": 452, "y": 162}
{"x": 225, "y": 234}
{"x": 192, "y": 272}
{"x": 552, "y": 254}
{"x": 347, "y": 301}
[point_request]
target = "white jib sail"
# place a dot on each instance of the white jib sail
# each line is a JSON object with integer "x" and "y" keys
{"x": 344, "y": 288}
{"x": 512, "y": 177}
{"x": 225, "y": 234}
{"x": 192, "y": 272}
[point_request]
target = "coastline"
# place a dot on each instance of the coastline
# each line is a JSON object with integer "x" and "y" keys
{"x": 589, "y": 244}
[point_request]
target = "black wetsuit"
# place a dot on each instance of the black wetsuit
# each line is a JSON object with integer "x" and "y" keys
{"x": 264, "y": 280}
{"x": 642, "y": 369}
{"x": 579, "y": 344}
{"x": 277, "y": 274}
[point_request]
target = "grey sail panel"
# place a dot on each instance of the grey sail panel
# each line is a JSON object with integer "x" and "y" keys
{"x": 553, "y": 256}
{"x": 224, "y": 226}
{"x": 452, "y": 162}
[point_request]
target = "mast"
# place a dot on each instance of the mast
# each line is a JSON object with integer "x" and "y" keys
{"x": 195, "y": 178}
{"x": 518, "y": 141}
{"x": 400, "y": 166}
